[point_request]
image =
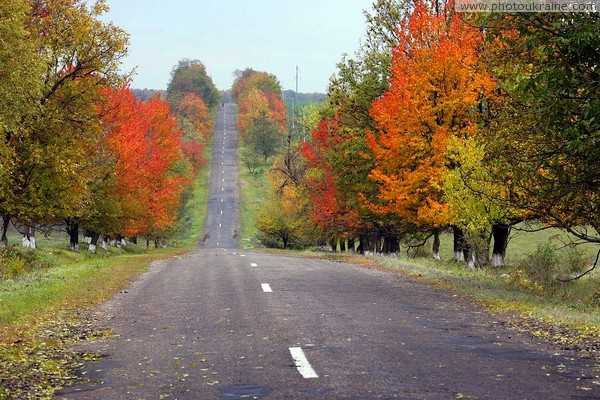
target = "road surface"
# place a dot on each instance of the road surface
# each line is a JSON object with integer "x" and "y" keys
{"x": 224, "y": 323}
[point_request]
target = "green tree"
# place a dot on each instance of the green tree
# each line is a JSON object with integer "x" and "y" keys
{"x": 20, "y": 88}
{"x": 80, "y": 55}
{"x": 264, "y": 137}
{"x": 546, "y": 130}
{"x": 190, "y": 76}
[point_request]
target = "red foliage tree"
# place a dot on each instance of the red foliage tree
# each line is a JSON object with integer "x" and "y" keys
{"x": 329, "y": 209}
{"x": 434, "y": 92}
{"x": 146, "y": 143}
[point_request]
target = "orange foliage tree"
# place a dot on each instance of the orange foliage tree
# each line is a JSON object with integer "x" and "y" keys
{"x": 197, "y": 126}
{"x": 435, "y": 90}
{"x": 252, "y": 106}
{"x": 262, "y": 113}
{"x": 145, "y": 140}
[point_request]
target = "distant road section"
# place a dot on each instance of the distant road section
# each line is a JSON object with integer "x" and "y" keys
{"x": 222, "y": 223}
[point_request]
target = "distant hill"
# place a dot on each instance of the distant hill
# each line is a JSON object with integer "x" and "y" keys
{"x": 304, "y": 98}
{"x": 147, "y": 94}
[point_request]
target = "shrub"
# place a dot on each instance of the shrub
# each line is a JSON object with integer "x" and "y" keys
{"x": 546, "y": 270}
{"x": 15, "y": 262}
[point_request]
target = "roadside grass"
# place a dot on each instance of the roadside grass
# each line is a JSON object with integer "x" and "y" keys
{"x": 253, "y": 191}
{"x": 190, "y": 226}
{"x": 78, "y": 280}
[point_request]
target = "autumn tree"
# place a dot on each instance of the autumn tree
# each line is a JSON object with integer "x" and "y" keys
{"x": 20, "y": 89}
{"x": 51, "y": 176}
{"x": 285, "y": 220}
{"x": 347, "y": 160}
{"x": 190, "y": 76}
{"x": 434, "y": 91}
{"x": 252, "y": 106}
{"x": 145, "y": 139}
{"x": 546, "y": 131}
{"x": 262, "y": 114}
{"x": 332, "y": 198}
{"x": 197, "y": 125}
{"x": 249, "y": 79}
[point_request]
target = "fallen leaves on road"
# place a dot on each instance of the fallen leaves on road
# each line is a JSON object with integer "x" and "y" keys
{"x": 40, "y": 361}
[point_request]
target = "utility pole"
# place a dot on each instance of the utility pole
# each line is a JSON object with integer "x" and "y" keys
{"x": 294, "y": 102}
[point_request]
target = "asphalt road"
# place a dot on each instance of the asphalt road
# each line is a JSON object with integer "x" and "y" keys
{"x": 223, "y": 323}
{"x": 223, "y": 204}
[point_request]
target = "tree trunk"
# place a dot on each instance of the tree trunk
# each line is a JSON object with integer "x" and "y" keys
{"x": 29, "y": 237}
{"x": 500, "y": 232}
{"x": 391, "y": 244}
{"x": 436, "y": 245}
{"x": 483, "y": 250}
{"x": 93, "y": 241}
{"x": 73, "y": 231}
{"x": 343, "y": 246}
{"x": 367, "y": 243}
{"x": 5, "y": 224}
{"x": 461, "y": 251}
{"x": 363, "y": 244}
{"x": 284, "y": 239}
{"x": 133, "y": 239}
{"x": 87, "y": 236}
{"x": 351, "y": 245}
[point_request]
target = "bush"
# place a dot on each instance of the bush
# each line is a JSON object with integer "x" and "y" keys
{"x": 545, "y": 270}
{"x": 15, "y": 262}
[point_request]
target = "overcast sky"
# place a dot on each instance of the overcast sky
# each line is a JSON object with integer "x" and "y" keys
{"x": 266, "y": 35}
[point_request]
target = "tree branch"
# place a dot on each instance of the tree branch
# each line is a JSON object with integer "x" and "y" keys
{"x": 583, "y": 274}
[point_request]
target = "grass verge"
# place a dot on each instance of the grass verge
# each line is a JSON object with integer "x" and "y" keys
{"x": 192, "y": 215}
{"x": 253, "y": 190}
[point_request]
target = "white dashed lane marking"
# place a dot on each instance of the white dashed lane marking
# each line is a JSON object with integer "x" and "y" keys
{"x": 266, "y": 288}
{"x": 253, "y": 264}
{"x": 302, "y": 364}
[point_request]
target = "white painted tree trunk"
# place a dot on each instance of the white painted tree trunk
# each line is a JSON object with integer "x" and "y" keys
{"x": 105, "y": 245}
{"x": 92, "y": 248}
{"x": 29, "y": 242}
{"x": 436, "y": 256}
{"x": 471, "y": 263}
{"x": 497, "y": 260}
{"x": 459, "y": 256}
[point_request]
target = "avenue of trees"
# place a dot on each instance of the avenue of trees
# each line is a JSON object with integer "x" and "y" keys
{"x": 77, "y": 148}
{"x": 445, "y": 121}
{"x": 261, "y": 117}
